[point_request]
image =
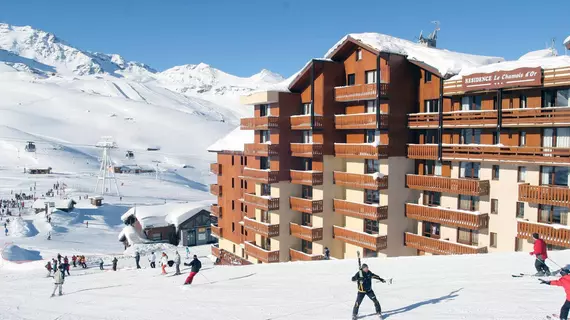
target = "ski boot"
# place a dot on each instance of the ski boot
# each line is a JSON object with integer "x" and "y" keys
{"x": 539, "y": 274}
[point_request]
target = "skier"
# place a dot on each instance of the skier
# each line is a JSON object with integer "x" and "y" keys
{"x": 541, "y": 256}
{"x": 58, "y": 279}
{"x": 364, "y": 279}
{"x": 137, "y": 259}
{"x": 64, "y": 267}
{"x": 48, "y": 267}
{"x": 115, "y": 263}
{"x": 187, "y": 252}
{"x": 195, "y": 265}
{"x": 59, "y": 258}
{"x": 164, "y": 262}
{"x": 74, "y": 261}
{"x": 327, "y": 253}
{"x": 177, "y": 263}
{"x": 101, "y": 263}
{"x": 565, "y": 283}
{"x": 152, "y": 260}
{"x": 54, "y": 265}
{"x": 6, "y": 232}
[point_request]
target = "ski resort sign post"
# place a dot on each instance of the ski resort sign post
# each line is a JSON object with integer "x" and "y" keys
{"x": 521, "y": 77}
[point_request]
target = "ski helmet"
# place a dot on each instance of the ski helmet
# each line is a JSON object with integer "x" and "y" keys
{"x": 535, "y": 235}
{"x": 364, "y": 265}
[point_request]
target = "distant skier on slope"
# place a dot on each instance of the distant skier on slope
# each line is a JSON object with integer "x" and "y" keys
{"x": 101, "y": 264}
{"x": 138, "y": 259}
{"x": 48, "y": 267}
{"x": 187, "y": 252}
{"x": 74, "y": 260}
{"x": 152, "y": 260}
{"x": 177, "y": 263}
{"x": 195, "y": 265}
{"x": 58, "y": 279}
{"x": 364, "y": 280}
{"x": 115, "y": 263}
{"x": 164, "y": 262}
{"x": 6, "y": 231}
{"x": 563, "y": 282}
{"x": 541, "y": 255}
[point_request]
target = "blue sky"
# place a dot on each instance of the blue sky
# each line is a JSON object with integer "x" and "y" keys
{"x": 244, "y": 36}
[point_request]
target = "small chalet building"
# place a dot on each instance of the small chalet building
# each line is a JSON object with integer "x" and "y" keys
{"x": 188, "y": 224}
{"x": 65, "y": 205}
{"x": 38, "y": 170}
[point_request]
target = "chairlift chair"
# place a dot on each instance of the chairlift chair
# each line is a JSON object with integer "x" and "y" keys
{"x": 130, "y": 154}
{"x": 30, "y": 147}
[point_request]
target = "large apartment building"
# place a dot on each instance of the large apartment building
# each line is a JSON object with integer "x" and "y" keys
{"x": 357, "y": 156}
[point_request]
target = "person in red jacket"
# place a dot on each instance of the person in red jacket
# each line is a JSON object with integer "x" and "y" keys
{"x": 541, "y": 255}
{"x": 563, "y": 282}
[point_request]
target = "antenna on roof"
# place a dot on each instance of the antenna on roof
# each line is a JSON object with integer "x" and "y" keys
{"x": 431, "y": 40}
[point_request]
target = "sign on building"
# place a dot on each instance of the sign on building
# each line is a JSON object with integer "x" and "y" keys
{"x": 521, "y": 77}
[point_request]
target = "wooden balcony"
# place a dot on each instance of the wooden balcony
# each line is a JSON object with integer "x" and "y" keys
{"x": 306, "y": 150}
{"x": 263, "y": 176}
{"x": 261, "y": 202}
{"x": 216, "y": 168}
{"x": 359, "y": 92}
{"x": 216, "y": 190}
{"x": 422, "y": 151}
{"x": 423, "y": 120}
{"x": 227, "y": 258}
{"x": 305, "y": 233}
{"x": 306, "y": 205}
{"x": 360, "y": 210}
{"x": 360, "y": 181}
{"x": 215, "y": 250}
{"x": 436, "y": 246}
{"x": 549, "y": 195}
{"x": 265, "y": 229}
{"x": 537, "y": 117}
{"x": 303, "y": 122}
{"x": 308, "y": 178}
{"x": 259, "y": 123}
{"x": 216, "y": 231}
{"x": 448, "y": 217}
{"x": 261, "y": 254}
{"x": 216, "y": 211}
{"x": 552, "y": 234}
{"x": 360, "y": 151}
{"x": 260, "y": 149}
{"x": 359, "y": 121}
{"x": 296, "y": 255}
{"x": 450, "y": 185}
{"x": 541, "y": 155}
{"x": 369, "y": 241}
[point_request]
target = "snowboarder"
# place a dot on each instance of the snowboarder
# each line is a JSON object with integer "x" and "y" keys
{"x": 177, "y": 263}
{"x": 364, "y": 280}
{"x": 164, "y": 262}
{"x": 115, "y": 263}
{"x": 541, "y": 255}
{"x": 48, "y": 267}
{"x": 137, "y": 259}
{"x": 565, "y": 283}
{"x": 74, "y": 261}
{"x": 327, "y": 253}
{"x": 58, "y": 279}
{"x": 152, "y": 260}
{"x": 195, "y": 268}
{"x": 101, "y": 264}
{"x": 187, "y": 252}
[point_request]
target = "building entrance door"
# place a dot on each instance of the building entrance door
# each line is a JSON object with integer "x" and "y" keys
{"x": 191, "y": 237}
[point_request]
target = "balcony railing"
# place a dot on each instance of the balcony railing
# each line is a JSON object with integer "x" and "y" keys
{"x": 296, "y": 255}
{"x": 551, "y": 234}
{"x": 308, "y": 178}
{"x": 216, "y": 231}
{"x": 215, "y": 250}
{"x": 216, "y": 211}
{"x": 259, "y": 123}
{"x": 306, "y": 205}
{"x": 360, "y": 210}
{"x": 216, "y": 190}
{"x": 303, "y": 122}
{"x": 359, "y": 121}
{"x": 537, "y": 117}
{"x": 369, "y": 241}
{"x": 450, "y": 185}
{"x": 549, "y": 195}
{"x": 359, "y": 92}
{"x": 422, "y": 151}
{"x": 448, "y": 217}
{"x": 423, "y": 120}
{"x": 265, "y": 229}
{"x": 305, "y": 233}
{"x": 436, "y": 246}
{"x": 216, "y": 168}
{"x": 261, "y": 202}
{"x": 360, "y": 151}
{"x": 307, "y": 150}
{"x": 360, "y": 181}
{"x": 261, "y": 254}
{"x": 263, "y": 176}
{"x": 544, "y": 155}
{"x": 227, "y": 258}
{"x": 260, "y": 149}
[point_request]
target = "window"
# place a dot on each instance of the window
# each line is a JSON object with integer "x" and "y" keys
{"x": 350, "y": 80}
{"x": 432, "y": 198}
{"x": 234, "y": 248}
{"x": 431, "y": 105}
{"x": 306, "y": 219}
{"x": 156, "y": 236}
{"x": 241, "y": 230}
{"x": 432, "y": 167}
{"x": 559, "y": 176}
{"x": 430, "y": 136}
{"x": 307, "y": 164}
{"x": 371, "y": 226}
{"x": 493, "y": 240}
{"x": 307, "y": 192}
{"x": 469, "y": 170}
{"x": 233, "y": 205}
{"x": 518, "y": 244}
{"x": 556, "y": 137}
{"x": 552, "y": 214}
{"x": 370, "y": 76}
{"x": 264, "y": 110}
{"x": 264, "y": 216}
{"x": 469, "y": 203}
{"x": 367, "y": 253}
{"x": 264, "y": 136}
{"x": 307, "y": 246}
{"x": 372, "y": 196}
{"x": 372, "y": 136}
{"x": 522, "y": 138}
{"x": 245, "y": 161}
{"x": 520, "y": 210}
{"x": 372, "y": 166}
{"x": 264, "y": 163}
{"x": 468, "y": 237}
{"x": 241, "y": 183}
{"x": 521, "y": 174}
{"x": 469, "y": 136}
{"x": 495, "y": 104}
{"x": 427, "y": 77}
{"x": 496, "y": 169}
{"x": 265, "y": 189}
{"x": 241, "y": 208}
{"x": 233, "y": 226}
{"x": 496, "y": 138}
{"x": 245, "y": 184}
{"x": 241, "y": 161}
{"x": 232, "y": 160}
{"x": 556, "y": 98}
{"x": 370, "y": 106}
{"x": 233, "y": 183}
{"x": 494, "y": 206}
{"x": 358, "y": 55}
{"x": 307, "y": 136}
{"x": 306, "y": 108}
{"x": 431, "y": 229}
{"x": 522, "y": 101}
{"x": 471, "y": 103}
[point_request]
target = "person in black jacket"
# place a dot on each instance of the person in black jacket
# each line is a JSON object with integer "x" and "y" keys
{"x": 195, "y": 268}
{"x": 364, "y": 280}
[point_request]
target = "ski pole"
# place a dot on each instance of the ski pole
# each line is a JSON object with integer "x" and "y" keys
{"x": 205, "y": 277}
{"x": 555, "y": 263}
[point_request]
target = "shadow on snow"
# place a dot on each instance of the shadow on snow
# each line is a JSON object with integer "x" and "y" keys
{"x": 450, "y": 296}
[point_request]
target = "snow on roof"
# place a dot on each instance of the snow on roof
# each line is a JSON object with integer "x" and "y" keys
{"x": 165, "y": 214}
{"x": 130, "y": 234}
{"x": 233, "y": 141}
{"x": 544, "y": 63}
{"x": 63, "y": 203}
{"x": 41, "y": 203}
{"x": 543, "y": 53}
{"x": 445, "y": 61}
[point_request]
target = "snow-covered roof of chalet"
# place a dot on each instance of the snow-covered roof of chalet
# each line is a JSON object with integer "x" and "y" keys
{"x": 543, "y": 53}
{"x": 446, "y": 62}
{"x": 544, "y": 63}
{"x": 130, "y": 234}
{"x": 165, "y": 214}
{"x": 233, "y": 141}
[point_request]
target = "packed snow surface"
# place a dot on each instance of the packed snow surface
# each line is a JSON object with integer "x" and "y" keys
{"x": 233, "y": 141}
{"x": 14, "y": 253}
